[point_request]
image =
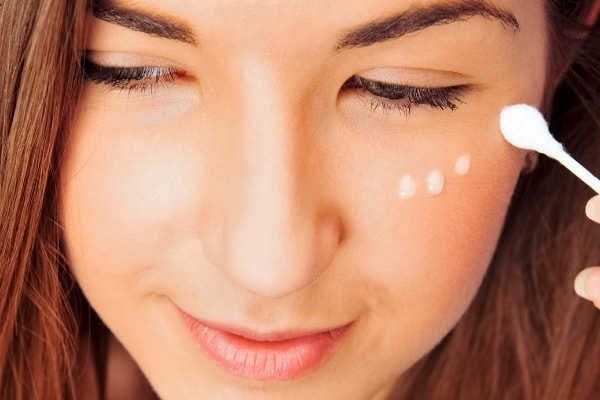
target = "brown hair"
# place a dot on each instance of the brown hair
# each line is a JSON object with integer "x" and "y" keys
{"x": 41, "y": 47}
{"x": 526, "y": 335}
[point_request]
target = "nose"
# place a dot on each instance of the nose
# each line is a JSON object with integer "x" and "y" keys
{"x": 274, "y": 232}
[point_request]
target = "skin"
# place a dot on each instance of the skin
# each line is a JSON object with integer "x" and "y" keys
{"x": 587, "y": 283}
{"x": 254, "y": 191}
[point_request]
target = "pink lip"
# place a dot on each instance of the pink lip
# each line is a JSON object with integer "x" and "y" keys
{"x": 260, "y": 356}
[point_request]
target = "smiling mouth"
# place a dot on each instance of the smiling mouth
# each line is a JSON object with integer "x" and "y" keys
{"x": 276, "y": 356}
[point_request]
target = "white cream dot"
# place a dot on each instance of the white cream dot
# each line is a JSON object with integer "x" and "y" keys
{"x": 435, "y": 182}
{"x": 463, "y": 165}
{"x": 407, "y": 188}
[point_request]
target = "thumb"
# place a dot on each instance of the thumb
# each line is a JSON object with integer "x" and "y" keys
{"x": 592, "y": 209}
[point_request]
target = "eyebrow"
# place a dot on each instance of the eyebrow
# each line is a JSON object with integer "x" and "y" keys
{"x": 419, "y": 18}
{"x": 112, "y": 12}
{"x": 410, "y": 21}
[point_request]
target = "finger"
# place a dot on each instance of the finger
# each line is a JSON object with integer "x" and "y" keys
{"x": 592, "y": 209}
{"x": 587, "y": 284}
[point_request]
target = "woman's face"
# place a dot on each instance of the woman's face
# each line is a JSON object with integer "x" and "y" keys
{"x": 270, "y": 208}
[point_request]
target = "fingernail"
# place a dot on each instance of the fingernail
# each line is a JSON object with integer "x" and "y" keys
{"x": 592, "y": 209}
{"x": 587, "y": 284}
{"x": 580, "y": 283}
{"x": 592, "y": 284}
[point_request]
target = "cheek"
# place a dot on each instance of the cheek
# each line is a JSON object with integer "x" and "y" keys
{"x": 125, "y": 194}
{"x": 428, "y": 229}
{"x": 448, "y": 227}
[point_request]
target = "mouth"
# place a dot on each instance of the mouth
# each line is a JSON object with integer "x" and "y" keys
{"x": 271, "y": 356}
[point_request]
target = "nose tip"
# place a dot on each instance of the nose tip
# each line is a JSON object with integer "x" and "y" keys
{"x": 275, "y": 259}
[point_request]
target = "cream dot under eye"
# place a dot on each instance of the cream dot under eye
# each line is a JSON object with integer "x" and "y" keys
{"x": 463, "y": 165}
{"x": 407, "y": 188}
{"x": 435, "y": 182}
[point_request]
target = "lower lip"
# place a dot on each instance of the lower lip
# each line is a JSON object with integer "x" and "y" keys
{"x": 280, "y": 360}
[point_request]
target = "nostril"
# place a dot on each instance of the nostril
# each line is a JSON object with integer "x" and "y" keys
{"x": 329, "y": 237}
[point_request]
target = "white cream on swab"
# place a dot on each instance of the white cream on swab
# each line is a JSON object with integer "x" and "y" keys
{"x": 524, "y": 127}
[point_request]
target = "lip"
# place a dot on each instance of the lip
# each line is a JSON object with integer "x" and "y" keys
{"x": 271, "y": 356}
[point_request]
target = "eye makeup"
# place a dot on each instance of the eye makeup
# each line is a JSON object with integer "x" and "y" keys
{"x": 434, "y": 181}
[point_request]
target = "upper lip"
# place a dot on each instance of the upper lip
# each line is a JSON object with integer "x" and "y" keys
{"x": 260, "y": 335}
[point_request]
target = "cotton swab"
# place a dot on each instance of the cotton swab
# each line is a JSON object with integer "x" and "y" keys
{"x": 524, "y": 127}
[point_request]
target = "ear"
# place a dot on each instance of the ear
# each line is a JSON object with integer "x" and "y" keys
{"x": 531, "y": 161}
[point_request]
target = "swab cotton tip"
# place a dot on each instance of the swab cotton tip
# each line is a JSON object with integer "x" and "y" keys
{"x": 524, "y": 127}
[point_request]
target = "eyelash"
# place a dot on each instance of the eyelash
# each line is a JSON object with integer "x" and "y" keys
{"x": 385, "y": 96}
{"x": 389, "y": 96}
{"x": 131, "y": 79}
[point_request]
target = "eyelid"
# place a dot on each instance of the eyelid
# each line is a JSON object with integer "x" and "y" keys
{"x": 127, "y": 58}
{"x": 412, "y": 76}
{"x": 93, "y": 70}
{"x": 402, "y": 97}
{"x": 139, "y": 78}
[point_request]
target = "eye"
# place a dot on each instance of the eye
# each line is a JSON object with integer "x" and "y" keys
{"x": 390, "y": 96}
{"x": 140, "y": 79}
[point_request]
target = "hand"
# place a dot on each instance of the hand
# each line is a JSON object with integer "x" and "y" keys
{"x": 587, "y": 283}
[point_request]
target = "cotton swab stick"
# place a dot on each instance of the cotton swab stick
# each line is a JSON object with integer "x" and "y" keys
{"x": 524, "y": 127}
